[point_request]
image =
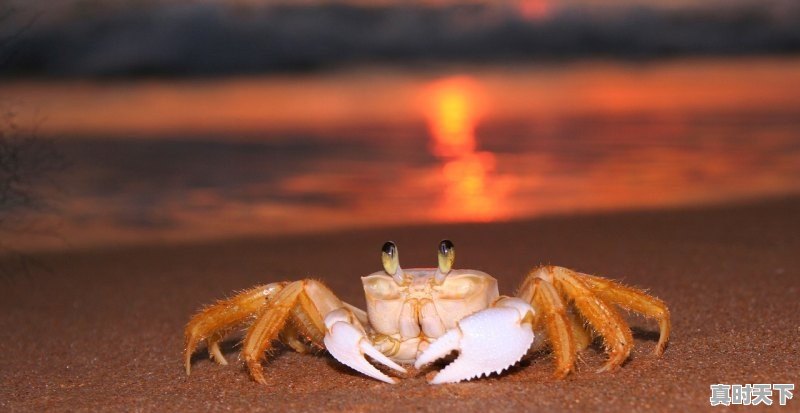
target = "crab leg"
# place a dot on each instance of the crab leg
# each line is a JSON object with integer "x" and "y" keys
{"x": 609, "y": 324}
{"x": 580, "y": 335}
{"x": 269, "y": 323}
{"x": 290, "y": 335}
{"x": 215, "y": 322}
{"x": 552, "y": 312}
{"x": 303, "y": 301}
{"x": 634, "y": 300}
{"x": 288, "y": 311}
{"x": 309, "y": 324}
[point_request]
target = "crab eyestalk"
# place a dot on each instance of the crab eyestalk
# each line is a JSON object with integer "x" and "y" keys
{"x": 391, "y": 262}
{"x": 447, "y": 256}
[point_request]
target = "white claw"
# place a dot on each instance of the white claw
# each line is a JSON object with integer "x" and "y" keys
{"x": 443, "y": 346}
{"x": 488, "y": 341}
{"x": 348, "y": 345}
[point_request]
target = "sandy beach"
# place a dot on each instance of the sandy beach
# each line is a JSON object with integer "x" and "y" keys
{"x": 101, "y": 330}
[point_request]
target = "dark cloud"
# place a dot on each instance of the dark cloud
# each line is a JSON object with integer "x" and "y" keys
{"x": 216, "y": 40}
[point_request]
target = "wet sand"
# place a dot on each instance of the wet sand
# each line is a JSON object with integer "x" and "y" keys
{"x": 102, "y": 330}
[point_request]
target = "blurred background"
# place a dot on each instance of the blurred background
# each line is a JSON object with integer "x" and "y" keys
{"x": 145, "y": 121}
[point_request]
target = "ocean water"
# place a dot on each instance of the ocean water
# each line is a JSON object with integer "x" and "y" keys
{"x": 161, "y": 160}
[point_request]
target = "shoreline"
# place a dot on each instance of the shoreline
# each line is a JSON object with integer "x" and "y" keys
{"x": 742, "y": 202}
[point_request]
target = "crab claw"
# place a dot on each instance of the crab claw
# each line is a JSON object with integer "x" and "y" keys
{"x": 347, "y": 344}
{"x": 488, "y": 341}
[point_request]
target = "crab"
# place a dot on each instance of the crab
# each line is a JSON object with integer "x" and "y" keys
{"x": 420, "y": 315}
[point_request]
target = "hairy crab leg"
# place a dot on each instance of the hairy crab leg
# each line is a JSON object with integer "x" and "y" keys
{"x": 213, "y": 347}
{"x": 291, "y": 302}
{"x": 307, "y": 317}
{"x": 215, "y": 321}
{"x": 304, "y": 302}
{"x": 616, "y": 334}
{"x": 306, "y": 324}
{"x": 290, "y": 335}
{"x": 580, "y": 335}
{"x": 266, "y": 328}
{"x": 552, "y": 312}
{"x": 634, "y": 300}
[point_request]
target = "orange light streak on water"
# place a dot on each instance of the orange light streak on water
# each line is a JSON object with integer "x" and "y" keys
{"x": 472, "y": 191}
{"x": 452, "y": 116}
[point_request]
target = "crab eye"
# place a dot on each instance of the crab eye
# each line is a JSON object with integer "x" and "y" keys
{"x": 389, "y": 258}
{"x": 447, "y": 256}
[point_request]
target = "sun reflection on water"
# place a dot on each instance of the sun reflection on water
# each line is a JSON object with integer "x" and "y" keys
{"x": 472, "y": 190}
{"x": 274, "y": 155}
